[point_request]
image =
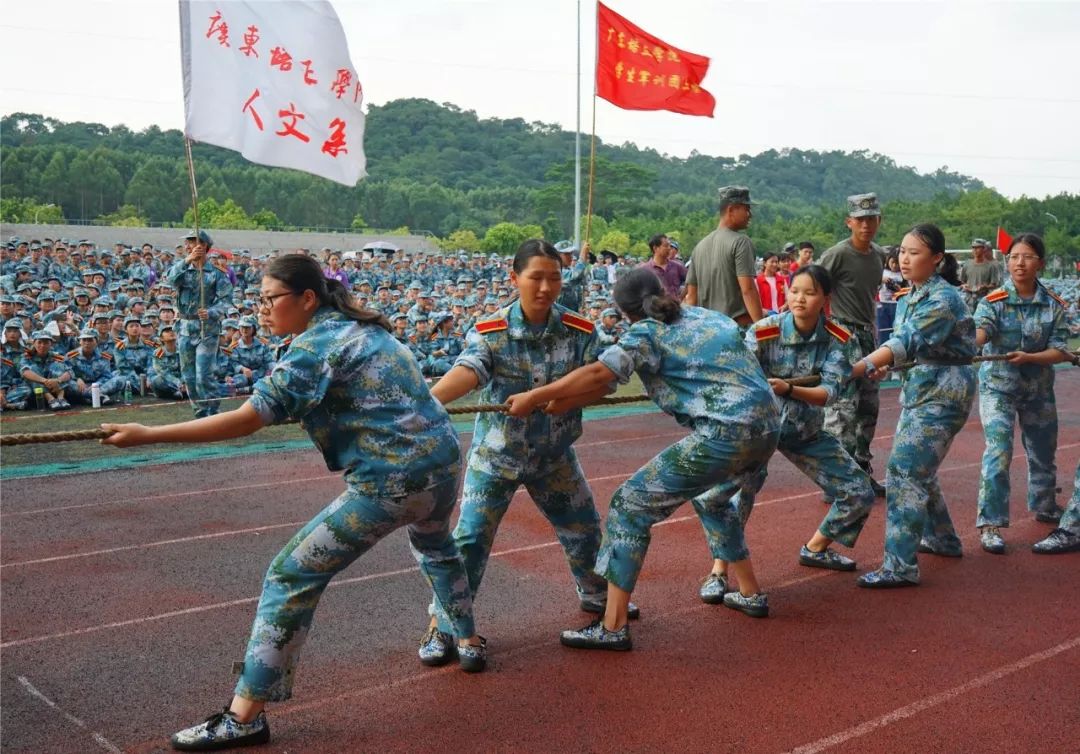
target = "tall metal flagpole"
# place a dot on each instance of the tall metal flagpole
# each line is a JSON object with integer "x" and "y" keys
{"x": 577, "y": 140}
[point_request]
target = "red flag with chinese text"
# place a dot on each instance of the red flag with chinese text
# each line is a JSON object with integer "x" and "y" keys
{"x": 637, "y": 71}
{"x": 1004, "y": 240}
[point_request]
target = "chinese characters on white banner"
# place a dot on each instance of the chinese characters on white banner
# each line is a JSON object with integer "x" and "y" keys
{"x": 273, "y": 81}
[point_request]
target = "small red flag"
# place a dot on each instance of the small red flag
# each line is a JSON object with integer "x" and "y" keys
{"x": 638, "y": 71}
{"x": 1004, "y": 240}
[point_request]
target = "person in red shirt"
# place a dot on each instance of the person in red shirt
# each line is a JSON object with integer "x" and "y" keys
{"x": 771, "y": 285}
{"x": 805, "y": 256}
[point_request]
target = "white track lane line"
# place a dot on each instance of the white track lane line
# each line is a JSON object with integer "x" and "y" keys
{"x": 101, "y": 741}
{"x": 935, "y": 699}
{"x": 321, "y": 477}
{"x": 373, "y": 576}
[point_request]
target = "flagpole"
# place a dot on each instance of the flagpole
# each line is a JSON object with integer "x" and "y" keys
{"x": 195, "y": 216}
{"x": 592, "y": 140}
{"x": 577, "y": 140}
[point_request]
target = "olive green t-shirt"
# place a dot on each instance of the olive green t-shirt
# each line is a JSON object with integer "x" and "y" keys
{"x": 856, "y": 278}
{"x": 980, "y": 274}
{"x": 716, "y": 264}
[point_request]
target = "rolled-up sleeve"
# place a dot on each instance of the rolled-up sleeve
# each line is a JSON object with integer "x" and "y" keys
{"x": 635, "y": 352}
{"x": 476, "y": 356}
{"x": 929, "y": 325}
{"x": 296, "y": 385}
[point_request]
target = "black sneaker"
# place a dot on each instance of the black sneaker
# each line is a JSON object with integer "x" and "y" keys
{"x": 473, "y": 657}
{"x": 222, "y": 731}
{"x": 595, "y": 636}
{"x": 877, "y": 487}
{"x": 1058, "y": 541}
{"x": 633, "y": 612}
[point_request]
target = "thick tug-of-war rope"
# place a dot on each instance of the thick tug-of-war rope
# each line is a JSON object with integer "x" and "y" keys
{"x": 34, "y": 438}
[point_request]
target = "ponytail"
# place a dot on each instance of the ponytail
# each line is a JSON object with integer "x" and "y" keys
{"x": 949, "y": 269}
{"x": 340, "y": 299}
{"x": 934, "y": 239}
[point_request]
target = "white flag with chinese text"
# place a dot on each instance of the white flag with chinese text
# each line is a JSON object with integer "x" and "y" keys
{"x": 273, "y": 81}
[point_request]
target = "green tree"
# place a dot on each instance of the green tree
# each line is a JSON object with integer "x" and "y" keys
{"x": 614, "y": 240}
{"x": 460, "y": 239}
{"x": 505, "y": 238}
{"x": 126, "y": 216}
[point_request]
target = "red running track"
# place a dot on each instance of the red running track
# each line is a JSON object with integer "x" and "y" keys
{"x": 127, "y": 596}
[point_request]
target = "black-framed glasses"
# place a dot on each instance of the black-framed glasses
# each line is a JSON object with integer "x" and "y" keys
{"x": 267, "y": 302}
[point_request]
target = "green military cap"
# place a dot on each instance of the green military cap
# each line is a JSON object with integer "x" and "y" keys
{"x": 980, "y": 242}
{"x": 863, "y": 205}
{"x": 734, "y": 195}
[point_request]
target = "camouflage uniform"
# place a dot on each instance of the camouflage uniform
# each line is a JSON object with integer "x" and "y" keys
{"x": 15, "y": 387}
{"x": 132, "y": 362}
{"x": 97, "y": 367}
{"x": 508, "y": 356}
{"x": 401, "y": 457}
{"x": 197, "y": 341}
{"x": 573, "y": 286}
{"x": 784, "y": 352}
{"x": 165, "y": 381}
{"x": 697, "y": 370}
{"x": 933, "y": 326}
{"x": 1025, "y": 392}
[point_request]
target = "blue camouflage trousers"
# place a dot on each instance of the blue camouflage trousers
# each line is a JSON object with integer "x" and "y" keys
{"x": 165, "y": 386}
{"x": 109, "y": 387}
{"x": 16, "y": 393}
{"x": 915, "y": 506}
{"x": 337, "y": 536}
{"x": 853, "y": 416}
{"x": 844, "y": 482}
{"x": 560, "y": 491}
{"x": 701, "y": 468}
{"x": 1070, "y": 519}
{"x": 198, "y": 360}
{"x": 1038, "y": 420}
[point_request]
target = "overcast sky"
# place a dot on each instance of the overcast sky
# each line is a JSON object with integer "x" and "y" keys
{"x": 988, "y": 89}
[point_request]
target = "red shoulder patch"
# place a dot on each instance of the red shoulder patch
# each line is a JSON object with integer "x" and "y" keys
{"x": 1057, "y": 298}
{"x": 578, "y": 323}
{"x": 837, "y": 331}
{"x": 159, "y": 353}
{"x": 999, "y": 295}
{"x": 73, "y": 353}
{"x": 767, "y": 332}
{"x": 59, "y": 357}
{"x": 107, "y": 355}
{"x": 491, "y": 325}
{"x": 902, "y": 292}
{"x": 6, "y": 361}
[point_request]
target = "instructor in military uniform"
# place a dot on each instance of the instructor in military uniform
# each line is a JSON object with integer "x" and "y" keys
{"x": 856, "y": 265}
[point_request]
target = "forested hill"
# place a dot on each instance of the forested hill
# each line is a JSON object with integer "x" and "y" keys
{"x": 438, "y": 168}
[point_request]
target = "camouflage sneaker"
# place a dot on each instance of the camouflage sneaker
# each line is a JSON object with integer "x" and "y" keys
{"x": 1049, "y": 517}
{"x": 595, "y": 636}
{"x": 827, "y": 558}
{"x": 222, "y": 731}
{"x": 713, "y": 588}
{"x": 754, "y": 605}
{"x": 633, "y": 612}
{"x": 991, "y": 541}
{"x": 1058, "y": 541}
{"x": 928, "y": 547}
{"x": 436, "y": 648}
{"x": 883, "y": 579}
{"x": 473, "y": 657}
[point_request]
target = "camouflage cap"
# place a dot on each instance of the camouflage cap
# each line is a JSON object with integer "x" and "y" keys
{"x": 88, "y": 334}
{"x": 248, "y": 321}
{"x": 202, "y": 236}
{"x": 43, "y": 335}
{"x": 13, "y": 324}
{"x": 863, "y": 205}
{"x": 980, "y": 242}
{"x": 734, "y": 195}
{"x": 610, "y": 313}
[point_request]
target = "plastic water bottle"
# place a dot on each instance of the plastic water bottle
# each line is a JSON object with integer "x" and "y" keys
{"x": 95, "y": 395}
{"x": 39, "y": 398}
{"x": 127, "y": 392}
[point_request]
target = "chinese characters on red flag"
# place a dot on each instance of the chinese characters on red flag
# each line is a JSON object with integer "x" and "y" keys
{"x": 288, "y": 96}
{"x": 638, "y": 71}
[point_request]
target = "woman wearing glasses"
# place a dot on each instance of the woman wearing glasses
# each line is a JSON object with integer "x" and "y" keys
{"x": 361, "y": 398}
{"x": 933, "y": 327}
{"x": 1025, "y": 322}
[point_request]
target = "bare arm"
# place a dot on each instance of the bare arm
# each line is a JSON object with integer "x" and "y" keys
{"x": 227, "y": 426}
{"x": 690, "y": 299}
{"x": 980, "y": 337}
{"x": 583, "y": 381}
{"x": 457, "y": 382}
{"x": 750, "y": 297}
{"x": 562, "y": 405}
